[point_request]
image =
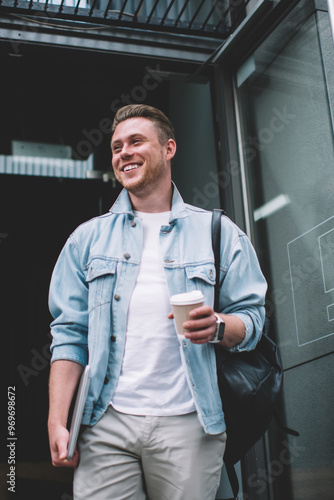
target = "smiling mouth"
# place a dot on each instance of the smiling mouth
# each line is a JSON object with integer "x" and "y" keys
{"x": 128, "y": 168}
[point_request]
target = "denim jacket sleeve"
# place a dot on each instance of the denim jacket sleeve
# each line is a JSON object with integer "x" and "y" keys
{"x": 243, "y": 288}
{"x": 68, "y": 297}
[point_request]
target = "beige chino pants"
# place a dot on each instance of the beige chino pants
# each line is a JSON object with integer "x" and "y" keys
{"x": 128, "y": 457}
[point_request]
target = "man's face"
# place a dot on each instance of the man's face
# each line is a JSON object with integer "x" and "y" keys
{"x": 141, "y": 164}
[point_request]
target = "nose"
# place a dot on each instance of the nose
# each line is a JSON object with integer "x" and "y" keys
{"x": 126, "y": 151}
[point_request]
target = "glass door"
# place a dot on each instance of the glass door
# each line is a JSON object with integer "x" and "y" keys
{"x": 286, "y": 130}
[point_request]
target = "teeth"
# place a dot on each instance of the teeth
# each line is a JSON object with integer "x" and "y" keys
{"x": 130, "y": 167}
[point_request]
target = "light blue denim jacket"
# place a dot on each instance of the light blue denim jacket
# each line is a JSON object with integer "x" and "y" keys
{"x": 94, "y": 278}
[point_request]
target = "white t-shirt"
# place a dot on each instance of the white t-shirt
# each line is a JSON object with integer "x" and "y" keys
{"x": 153, "y": 378}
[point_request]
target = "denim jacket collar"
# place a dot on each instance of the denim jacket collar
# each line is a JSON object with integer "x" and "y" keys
{"x": 123, "y": 205}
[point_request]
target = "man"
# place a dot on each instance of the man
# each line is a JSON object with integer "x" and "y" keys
{"x": 153, "y": 421}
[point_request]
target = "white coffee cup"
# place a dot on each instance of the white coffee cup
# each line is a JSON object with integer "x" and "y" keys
{"x": 182, "y": 304}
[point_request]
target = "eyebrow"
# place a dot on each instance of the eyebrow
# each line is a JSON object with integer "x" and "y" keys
{"x": 132, "y": 136}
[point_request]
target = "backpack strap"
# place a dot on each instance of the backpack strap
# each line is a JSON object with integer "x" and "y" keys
{"x": 232, "y": 477}
{"x": 215, "y": 235}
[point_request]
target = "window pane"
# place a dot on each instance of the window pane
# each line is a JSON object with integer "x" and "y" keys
{"x": 287, "y": 135}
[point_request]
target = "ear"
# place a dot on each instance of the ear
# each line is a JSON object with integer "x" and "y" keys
{"x": 171, "y": 149}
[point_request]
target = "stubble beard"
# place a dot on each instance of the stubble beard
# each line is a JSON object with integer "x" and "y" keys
{"x": 145, "y": 183}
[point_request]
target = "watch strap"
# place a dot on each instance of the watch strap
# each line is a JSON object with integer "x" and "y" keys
{"x": 219, "y": 334}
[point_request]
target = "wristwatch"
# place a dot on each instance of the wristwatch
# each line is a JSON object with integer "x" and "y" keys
{"x": 219, "y": 335}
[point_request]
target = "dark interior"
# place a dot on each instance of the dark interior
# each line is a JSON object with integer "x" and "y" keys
{"x": 48, "y": 96}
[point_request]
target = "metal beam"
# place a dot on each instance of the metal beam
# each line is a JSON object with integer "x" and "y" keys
{"x": 182, "y": 22}
{"x": 248, "y": 24}
{"x": 252, "y": 20}
{"x": 18, "y": 30}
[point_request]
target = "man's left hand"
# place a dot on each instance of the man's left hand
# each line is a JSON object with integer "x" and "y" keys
{"x": 201, "y": 327}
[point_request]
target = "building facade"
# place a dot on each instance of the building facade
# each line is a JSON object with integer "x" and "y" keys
{"x": 249, "y": 86}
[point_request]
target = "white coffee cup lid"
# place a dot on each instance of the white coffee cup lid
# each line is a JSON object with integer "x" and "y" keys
{"x": 187, "y": 298}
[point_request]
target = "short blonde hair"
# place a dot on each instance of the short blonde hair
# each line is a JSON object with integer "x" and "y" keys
{"x": 163, "y": 125}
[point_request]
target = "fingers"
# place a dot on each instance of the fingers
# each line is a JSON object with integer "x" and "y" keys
{"x": 201, "y": 326}
{"x": 58, "y": 447}
{"x": 63, "y": 462}
{"x": 199, "y": 337}
{"x": 60, "y": 459}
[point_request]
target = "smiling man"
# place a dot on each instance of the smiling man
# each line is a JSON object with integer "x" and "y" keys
{"x": 153, "y": 425}
{"x": 141, "y": 162}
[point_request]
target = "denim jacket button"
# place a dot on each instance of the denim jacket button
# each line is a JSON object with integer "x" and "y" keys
{"x": 106, "y": 380}
{"x": 113, "y": 338}
{"x": 133, "y": 223}
{"x": 126, "y": 255}
{"x": 116, "y": 296}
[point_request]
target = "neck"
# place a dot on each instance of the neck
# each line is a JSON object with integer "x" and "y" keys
{"x": 154, "y": 202}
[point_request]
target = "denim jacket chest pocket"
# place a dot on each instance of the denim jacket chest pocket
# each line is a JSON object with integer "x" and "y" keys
{"x": 101, "y": 278}
{"x": 201, "y": 277}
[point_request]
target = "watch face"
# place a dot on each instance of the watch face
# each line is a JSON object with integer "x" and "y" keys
{"x": 221, "y": 330}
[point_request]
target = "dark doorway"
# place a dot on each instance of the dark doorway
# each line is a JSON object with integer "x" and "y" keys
{"x": 37, "y": 215}
{"x": 57, "y": 97}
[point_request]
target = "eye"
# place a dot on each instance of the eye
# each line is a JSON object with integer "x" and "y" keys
{"x": 116, "y": 148}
